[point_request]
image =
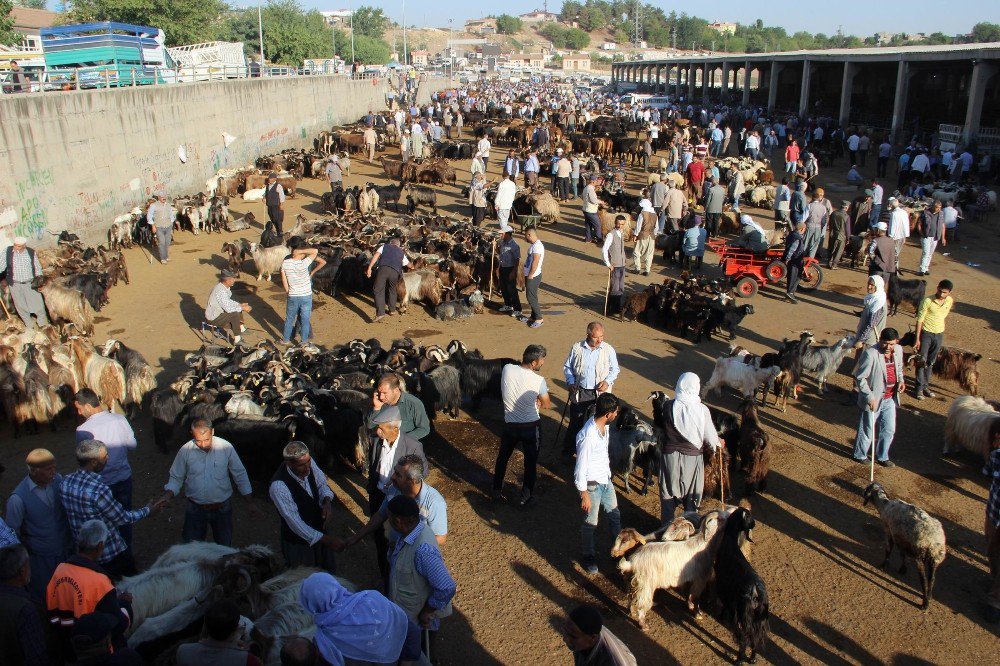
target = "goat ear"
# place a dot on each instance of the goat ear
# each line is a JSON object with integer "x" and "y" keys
{"x": 640, "y": 538}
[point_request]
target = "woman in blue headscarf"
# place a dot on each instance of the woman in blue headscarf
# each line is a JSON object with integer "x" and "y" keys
{"x": 361, "y": 625}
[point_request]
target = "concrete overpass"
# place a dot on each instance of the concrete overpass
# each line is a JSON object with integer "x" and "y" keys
{"x": 937, "y": 84}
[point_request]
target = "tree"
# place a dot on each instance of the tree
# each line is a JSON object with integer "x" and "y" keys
{"x": 8, "y": 36}
{"x": 290, "y": 35}
{"x": 368, "y": 50}
{"x": 569, "y": 11}
{"x": 182, "y": 21}
{"x": 508, "y": 25}
{"x": 31, "y": 4}
{"x": 593, "y": 18}
{"x": 986, "y": 32}
{"x": 576, "y": 39}
{"x": 370, "y": 21}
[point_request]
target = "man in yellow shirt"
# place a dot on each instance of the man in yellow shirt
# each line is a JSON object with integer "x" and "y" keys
{"x": 930, "y": 333}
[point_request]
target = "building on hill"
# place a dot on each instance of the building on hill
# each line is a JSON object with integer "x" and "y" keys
{"x": 579, "y": 62}
{"x": 337, "y": 16}
{"x": 723, "y": 28}
{"x": 609, "y": 46}
{"x": 538, "y": 16}
{"x": 29, "y": 23}
{"x": 527, "y": 60}
{"x": 486, "y": 26}
{"x": 419, "y": 57}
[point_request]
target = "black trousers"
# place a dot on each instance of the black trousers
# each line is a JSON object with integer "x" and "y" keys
{"x": 478, "y": 215}
{"x": 578, "y": 408}
{"x": 276, "y": 216}
{"x": 529, "y": 437}
{"x": 385, "y": 277}
{"x": 508, "y": 288}
{"x": 794, "y": 273}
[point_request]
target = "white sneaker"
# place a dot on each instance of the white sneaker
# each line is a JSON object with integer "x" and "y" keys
{"x": 243, "y": 328}
{"x": 237, "y": 340}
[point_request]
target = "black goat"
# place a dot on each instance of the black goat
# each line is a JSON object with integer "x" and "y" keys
{"x": 755, "y": 450}
{"x": 259, "y": 442}
{"x": 93, "y": 286}
{"x": 165, "y": 407}
{"x": 906, "y": 291}
{"x": 480, "y": 377}
{"x": 441, "y": 388}
{"x": 726, "y": 317}
{"x": 742, "y": 592}
{"x": 389, "y": 194}
{"x": 420, "y": 195}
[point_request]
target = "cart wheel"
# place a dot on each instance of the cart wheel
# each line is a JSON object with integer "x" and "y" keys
{"x": 812, "y": 277}
{"x": 776, "y": 271}
{"x": 746, "y": 287}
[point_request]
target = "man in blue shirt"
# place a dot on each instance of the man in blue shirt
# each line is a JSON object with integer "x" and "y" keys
{"x": 531, "y": 168}
{"x": 590, "y": 369}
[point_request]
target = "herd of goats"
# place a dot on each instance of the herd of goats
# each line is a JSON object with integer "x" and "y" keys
{"x": 259, "y": 397}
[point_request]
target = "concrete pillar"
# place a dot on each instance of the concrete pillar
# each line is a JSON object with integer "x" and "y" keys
{"x": 846, "y": 91}
{"x": 804, "y": 90}
{"x": 899, "y": 103}
{"x": 677, "y": 82}
{"x": 746, "y": 84}
{"x": 981, "y": 74}
{"x": 692, "y": 71}
{"x": 663, "y": 77}
{"x": 705, "y": 76}
{"x": 724, "y": 90}
{"x": 772, "y": 84}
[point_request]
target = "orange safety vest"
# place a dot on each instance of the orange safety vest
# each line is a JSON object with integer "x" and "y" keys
{"x": 73, "y": 592}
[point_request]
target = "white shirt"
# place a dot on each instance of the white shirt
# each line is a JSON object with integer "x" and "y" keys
{"x": 877, "y": 193}
{"x": 608, "y": 239}
{"x": 592, "y": 462}
{"x": 506, "y": 191}
{"x": 385, "y": 463}
{"x": 297, "y": 275}
{"x": 520, "y": 389}
{"x": 899, "y": 224}
{"x": 539, "y": 249}
{"x": 484, "y": 147}
{"x": 950, "y": 217}
{"x": 920, "y": 163}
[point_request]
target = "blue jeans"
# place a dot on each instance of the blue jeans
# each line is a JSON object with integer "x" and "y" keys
{"x": 601, "y": 495}
{"x": 298, "y": 307}
{"x": 884, "y": 417}
{"x": 122, "y": 492}
{"x": 790, "y": 167}
{"x": 873, "y": 216}
{"x": 198, "y": 519}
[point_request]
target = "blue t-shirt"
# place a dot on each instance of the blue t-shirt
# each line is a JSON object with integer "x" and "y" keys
{"x": 433, "y": 509}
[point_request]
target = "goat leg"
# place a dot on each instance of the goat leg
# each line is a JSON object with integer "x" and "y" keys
{"x": 888, "y": 551}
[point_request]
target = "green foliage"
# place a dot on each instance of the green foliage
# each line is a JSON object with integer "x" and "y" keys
{"x": 508, "y": 25}
{"x": 31, "y": 4}
{"x": 182, "y": 21}
{"x": 290, "y": 35}
{"x": 8, "y": 36}
{"x": 986, "y": 32}
{"x": 370, "y": 21}
{"x": 368, "y": 50}
{"x": 563, "y": 37}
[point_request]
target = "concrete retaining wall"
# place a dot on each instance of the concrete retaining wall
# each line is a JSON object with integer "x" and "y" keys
{"x": 76, "y": 160}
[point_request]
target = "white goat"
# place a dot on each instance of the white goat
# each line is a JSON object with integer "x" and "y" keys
{"x": 241, "y": 403}
{"x": 156, "y": 591}
{"x": 732, "y": 371}
{"x": 65, "y": 304}
{"x": 268, "y": 259}
{"x": 256, "y": 194}
{"x": 973, "y": 424}
{"x": 196, "y": 551}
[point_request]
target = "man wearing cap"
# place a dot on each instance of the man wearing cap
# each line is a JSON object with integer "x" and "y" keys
{"x": 222, "y": 310}
{"x": 390, "y": 391}
{"x": 591, "y": 643}
{"x": 840, "y": 231}
{"x": 160, "y": 216}
{"x": 297, "y": 271}
{"x": 931, "y": 233}
{"x": 303, "y": 497}
{"x": 715, "y": 200}
{"x": 419, "y": 581}
{"x": 207, "y": 467}
{"x": 645, "y": 243}
{"x": 861, "y": 212}
{"x": 899, "y": 226}
{"x": 882, "y": 252}
{"x": 658, "y": 197}
{"x": 384, "y": 453}
{"x": 510, "y": 260}
{"x": 799, "y": 206}
{"x": 334, "y": 173}
{"x": 877, "y": 193}
{"x": 506, "y": 192}
{"x": 23, "y": 637}
{"x": 817, "y": 218}
{"x": 880, "y": 381}
{"x": 20, "y": 267}
{"x": 390, "y": 259}
{"x": 274, "y": 198}
{"x": 35, "y": 513}
{"x": 613, "y": 253}
{"x": 591, "y": 221}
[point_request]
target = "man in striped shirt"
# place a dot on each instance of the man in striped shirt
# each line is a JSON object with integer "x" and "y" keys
{"x": 22, "y": 266}
{"x": 222, "y": 310}
{"x": 296, "y": 278}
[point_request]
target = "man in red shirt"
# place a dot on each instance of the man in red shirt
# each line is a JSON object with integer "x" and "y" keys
{"x": 695, "y": 177}
{"x": 791, "y": 157}
{"x": 880, "y": 381}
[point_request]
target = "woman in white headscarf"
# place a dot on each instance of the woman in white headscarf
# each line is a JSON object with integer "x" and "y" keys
{"x": 752, "y": 235}
{"x": 688, "y": 428}
{"x": 873, "y": 316}
{"x": 363, "y": 626}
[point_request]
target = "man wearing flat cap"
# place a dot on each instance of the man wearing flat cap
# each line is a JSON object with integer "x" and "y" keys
{"x": 19, "y": 266}
{"x": 591, "y": 642}
{"x": 304, "y": 500}
{"x": 35, "y": 513}
{"x": 222, "y": 310}
{"x": 274, "y": 198}
{"x": 384, "y": 452}
{"x": 160, "y": 216}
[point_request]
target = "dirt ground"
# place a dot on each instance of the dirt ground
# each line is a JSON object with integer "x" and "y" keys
{"x": 817, "y": 547}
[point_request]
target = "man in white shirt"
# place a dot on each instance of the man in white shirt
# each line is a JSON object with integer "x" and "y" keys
{"x": 920, "y": 164}
{"x": 303, "y": 497}
{"x": 613, "y": 253}
{"x": 593, "y": 478}
{"x": 899, "y": 226}
{"x": 853, "y": 142}
{"x": 524, "y": 392}
{"x": 877, "y": 194}
{"x": 483, "y": 147}
{"x": 532, "y": 277}
{"x": 222, "y": 311}
{"x": 506, "y": 191}
{"x": 206, "y": 467}
{"x": 296, "y": 278}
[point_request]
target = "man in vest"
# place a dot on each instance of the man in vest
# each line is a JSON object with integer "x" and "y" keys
{"x": 390, "y": 260}
{"x": 590, "y": 369}
{"x": 274, "y": 198}
{"x": 613, "y": 253}
{"x": 21, "y": 267}
{"x": 23, "y": 639}
{"x": 371, "y": 139}
{"x": 36, "y": 514}
{"x": 303, "y": 498}
{"x": 160, "y": 216}
{"x": 645, "y": 243}
{"x": 386, "y": 450}
{"x": 419, "y": 581}
{"x": 80, "y": 586}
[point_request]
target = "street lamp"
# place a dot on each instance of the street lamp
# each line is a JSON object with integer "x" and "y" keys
{"x": 451, "y": 54}
{"x": 260, "y": 36}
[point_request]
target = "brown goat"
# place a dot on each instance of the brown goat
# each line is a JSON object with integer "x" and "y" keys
{"x": 636, "y": 304}
{"x": 713, "y": 471}
{"x": 755, "y": 450}
{"x": 960, "y": 366}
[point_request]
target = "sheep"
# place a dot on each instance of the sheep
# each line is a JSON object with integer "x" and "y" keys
{"x": 104, "y": 375}
{"x": 669, "y": 565}
{"x": 461, "y": 308}
{"x": 268, "y": 259}
{"x": 631, "y": 440}
{"x": 755, "y": 450}
{"x": 733, "y": 372}
{"x": 915, "y": 532}
{"x": 65, "y": 305}
{"x": 824, "y": 361}
{"x": 973, "y": 424}
{"x": 139, "y": 379}
{"x": 742, "y": 592}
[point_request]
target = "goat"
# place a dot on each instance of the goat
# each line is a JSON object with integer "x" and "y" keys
{"x": 669, "y": 565}
{"x": 958, "y": 365}
{"x": 727, "y": 317}
{"x": 755, "y": 450}
{"x": 165, "y": 407}
{"x": 268, "y": 259}
{"x": 424, "y": 286}
{"x": 915, "y": 532}
{"x": 461, "y": 308}
{"x": 441, "y": 389}
{"x": 33, "y": 404}
{"x": 824, "y": 361}
{"x": 104, "y": 375}
{"x": 139, "y": 379}
{"x": 742, "y": 592}
{"x": 973, "y": 424}
{"x": 638, "y": 304}
{"x": 905, "y": 291}
{"x": 732, "y": 371}
{"x": 480, "y": 377}
{"x": 420, "y": 195}
{"x": 65, "y": 305}
{"x": 632, "y": 440}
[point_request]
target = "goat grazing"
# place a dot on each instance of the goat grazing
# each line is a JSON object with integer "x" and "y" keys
{"x": 742, "y": 592}
{"x": 914, "y": 532}
{"x": 973, "y": 424}
{"x": 960, "y": 366}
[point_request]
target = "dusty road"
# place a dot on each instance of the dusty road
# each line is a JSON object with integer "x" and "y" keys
{"x": 817, "y": 548}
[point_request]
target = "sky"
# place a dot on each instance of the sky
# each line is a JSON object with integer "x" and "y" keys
{"x": 857, "y": 17}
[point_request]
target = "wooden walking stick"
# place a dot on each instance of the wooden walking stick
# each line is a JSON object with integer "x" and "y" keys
{"x": 493, "y": 255}
{"x": 607, "y": 293}
{"x": 6, "y": 312}
{"x": 722, "y": 477}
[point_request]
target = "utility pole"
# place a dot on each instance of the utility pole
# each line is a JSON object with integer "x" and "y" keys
{"x": 637, "y": 30}
{"x": 673, "y": 36}
{"x": 260, "y": 36}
